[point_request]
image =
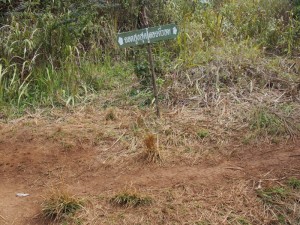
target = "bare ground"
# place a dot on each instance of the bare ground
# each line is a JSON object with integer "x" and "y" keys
{"x": 200, "y": 181}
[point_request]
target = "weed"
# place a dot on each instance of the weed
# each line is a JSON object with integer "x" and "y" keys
{"x": 67, "y": 145}
{"x": 202, "y": 133}
{"x": 141, "y": 70}
{"x": 127, "y": 199}
{"x": 275, "y": 140}
{"x": 111, "y": 115}
{"x": 140, "y": 122}
{"x": 140, "y": 97}
{"x": 263, "y": 121}
{"x": 247, "y": 139}
{"x": 151, "y": 153}
{"x": 294, "y": 183}
{"x": 60, "y": 52}
{"x": 281, "y": 219}
{"x": 59, "y": 205}
{"x": 243, "y": 221}
{"x": 271, "y": 195}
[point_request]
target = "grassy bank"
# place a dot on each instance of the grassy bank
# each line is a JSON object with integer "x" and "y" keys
{"x": 60, "y": 53}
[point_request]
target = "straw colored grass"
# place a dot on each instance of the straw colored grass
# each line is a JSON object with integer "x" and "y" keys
{"x": 59, "y": 205}
{"x": 151, "y": 153}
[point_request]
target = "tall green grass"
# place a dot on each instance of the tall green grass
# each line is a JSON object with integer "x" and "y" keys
{"x": 66, "y": 86}
{"x": 269, "y": 24}
{"x": 60, "y": 52}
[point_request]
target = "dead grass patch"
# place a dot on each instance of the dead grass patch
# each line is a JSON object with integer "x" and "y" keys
{"x": 59, "y": 205}
{"x": 151, "y": 153}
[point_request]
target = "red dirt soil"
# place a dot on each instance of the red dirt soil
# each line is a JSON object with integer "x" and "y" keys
{"x": 33, "y": 162}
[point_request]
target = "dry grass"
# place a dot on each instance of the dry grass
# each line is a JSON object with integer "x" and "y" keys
{"x": 2, "y": 219}
{"x": 235, "y": 71}
{"x": 59, "y": 205}
{"x": 185, "y": 133}
{"x": 181, "y": 133}
{"x": 151, "y": 153}
{"x": 234, "y": 204}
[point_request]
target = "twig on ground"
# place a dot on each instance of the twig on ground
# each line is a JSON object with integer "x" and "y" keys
{"x": 1, "y": 217}
{"x": 234, "y": 168}
{"x": 115, "y": 142}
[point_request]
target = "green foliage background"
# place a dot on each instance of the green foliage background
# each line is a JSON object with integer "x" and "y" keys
{"x": 55, "y": 52}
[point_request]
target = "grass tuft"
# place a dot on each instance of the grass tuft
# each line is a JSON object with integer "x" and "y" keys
{"x": 59, "y": 205}
{"x": 151, "y": 153}
{"x": 203, "y": 133}
{"x": 264, "y": 121}
{"x": 127, "y": 199}
{"x": 111, "y": 115}
{"x": 294, "y": 183}
{"x": 273, "y": 194}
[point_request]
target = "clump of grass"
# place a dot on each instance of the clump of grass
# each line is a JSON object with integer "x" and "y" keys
{"x": 273, "y": 194}
{"x": 151, "y": 153}
{"x": 127, "y": 199}
{"x": 111, "y": 115}
{"x": 264, "y": 121}
{"x": 294, "y": 183}
{"x": 203, "y": 133}
{"x": 140, "y": 121}
{"x": 60, "y": 205}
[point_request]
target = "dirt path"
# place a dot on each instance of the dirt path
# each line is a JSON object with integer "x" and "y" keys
{"x": 90, "y": 156}
{"x": 33, "y": 168}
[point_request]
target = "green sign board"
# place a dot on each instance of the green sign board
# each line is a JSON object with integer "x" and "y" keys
{"x": 147, "y": 35}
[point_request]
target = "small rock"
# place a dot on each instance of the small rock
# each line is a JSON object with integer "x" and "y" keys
{"x": 22, "y": 195}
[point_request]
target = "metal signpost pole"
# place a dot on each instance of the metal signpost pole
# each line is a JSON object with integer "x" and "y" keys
{"x": 149, "y": 49}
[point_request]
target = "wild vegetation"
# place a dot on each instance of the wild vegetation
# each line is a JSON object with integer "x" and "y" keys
{"x": 58, "y": 53}
{"x": 128, "y": 199}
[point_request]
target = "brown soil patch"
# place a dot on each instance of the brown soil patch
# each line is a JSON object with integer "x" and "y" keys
{"x": 95, "y": 158}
